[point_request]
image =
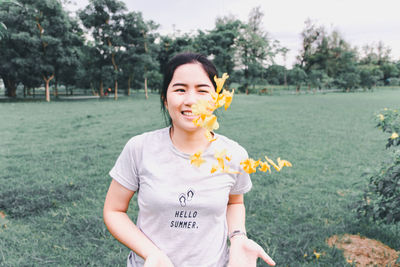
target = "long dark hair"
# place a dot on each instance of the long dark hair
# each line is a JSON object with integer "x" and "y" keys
{"x": 174, "y": 63}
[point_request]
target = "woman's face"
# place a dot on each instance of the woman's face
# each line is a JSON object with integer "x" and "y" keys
{"x": 189, "y": 83}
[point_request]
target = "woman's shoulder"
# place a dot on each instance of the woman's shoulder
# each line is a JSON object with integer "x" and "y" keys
{"x": 231, "y": 146}
{"x": 148, "y": 137}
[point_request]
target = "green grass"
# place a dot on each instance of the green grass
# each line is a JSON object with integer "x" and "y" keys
{"x": 55, "y": 158}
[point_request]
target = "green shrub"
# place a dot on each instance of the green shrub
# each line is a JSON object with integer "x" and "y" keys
{"x": 381, "y": 199}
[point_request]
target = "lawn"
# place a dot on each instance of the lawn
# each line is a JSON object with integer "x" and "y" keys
{"x": 55, "y": 158}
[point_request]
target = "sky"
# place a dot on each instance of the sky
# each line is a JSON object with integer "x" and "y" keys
{"x": 360, "y": 22}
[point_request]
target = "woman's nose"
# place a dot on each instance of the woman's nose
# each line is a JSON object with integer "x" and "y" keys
{"x": 190, "y": 97}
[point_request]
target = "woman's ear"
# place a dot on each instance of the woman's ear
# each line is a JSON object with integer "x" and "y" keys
{"x": 165, "y": 104}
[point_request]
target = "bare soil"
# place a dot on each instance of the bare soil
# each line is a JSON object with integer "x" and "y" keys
{"x": 362, "y": 251}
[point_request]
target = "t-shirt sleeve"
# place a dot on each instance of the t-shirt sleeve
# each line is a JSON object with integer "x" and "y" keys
{"x": 125, "y": 168}
{"x": 243, "y": 182}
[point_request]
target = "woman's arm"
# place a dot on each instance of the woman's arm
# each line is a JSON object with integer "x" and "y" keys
{"x": 243, "y": 251}
{"x": 124, "y": 230}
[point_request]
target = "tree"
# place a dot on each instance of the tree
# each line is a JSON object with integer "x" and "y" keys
{"x": 103, "y": 19}
{"x": 369, "y": 75}
{"x": 220, "y": 42}
{"x": 314, "y": 41}
{"x": 276, "y": 74}
{"x": 255, "y": 49}
{"x": 297, "y": 76}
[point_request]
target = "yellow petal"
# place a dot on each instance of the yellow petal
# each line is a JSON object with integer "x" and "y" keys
{"x": 196, "y": 159}
{"x": 249, "y": 165}
{"x": 228, "y": 98}
{"x": 202, "y": 107}
{"x": 220, "y": 82}
{"x": 394, "y": 135}
{"x": 283, "y": 163}
{"x": 218, "y": 99}
{"x": 381, "y": 117}
{"x": 273, "y": 164}
{"x": 210, "y": 123}
{"x": 264, "y": 167}
{"x": 209, "y": 136}
{"x": 220, "y": 154}
{"x": 214, "y": 168}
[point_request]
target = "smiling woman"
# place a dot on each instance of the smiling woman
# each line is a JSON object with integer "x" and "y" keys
{"x": 186, "y": 213}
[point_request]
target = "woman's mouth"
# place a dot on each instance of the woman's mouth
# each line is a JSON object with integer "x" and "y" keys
{"x": 187, "y": 113}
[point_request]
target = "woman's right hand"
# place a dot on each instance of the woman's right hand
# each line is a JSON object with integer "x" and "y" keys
{"x": 158, "y": 260}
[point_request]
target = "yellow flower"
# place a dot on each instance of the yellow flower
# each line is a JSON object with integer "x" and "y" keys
{"x": 394, "y": 135}
{"x": 214, "y": 168}
{"x": 283, "y": 163}
{"x": 381, "y": 117}
{"x": 210, "y": 123}
{"x": 228, "y": 98}
{"x": 196, "y": 159}
{"x": 250, "y": 165}
{"x": 218, "y": 99}
{"x": 220, "y": 81}
{"x": 202, "y": 108}
{"x": 264, "y": 167}
{"x": 273, "y": 164}
{"x": 209, "y": 136}
{"x": 317, "y": 255}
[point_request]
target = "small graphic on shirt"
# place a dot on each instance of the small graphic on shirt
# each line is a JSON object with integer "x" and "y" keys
{"x": 188, "y": 196}
{"x": 185, "y": 219}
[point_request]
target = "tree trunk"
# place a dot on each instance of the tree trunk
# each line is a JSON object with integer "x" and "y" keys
{"x": 24, "y": 91}
{"x": 47, "y": 81}
{"x": 55, "y": 93}
{"x": 116, "y": 89}
{"x": 101, "y": 88}
{"x": 145, "y": 87}
{"x": 11, "y": 87}
{"x": 93, "y": 91}
{"x": 298, "y": 88}
{"x": 129, "y": 84}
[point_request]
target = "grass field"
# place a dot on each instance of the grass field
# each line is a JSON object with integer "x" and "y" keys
{"x": 55, "y": 158}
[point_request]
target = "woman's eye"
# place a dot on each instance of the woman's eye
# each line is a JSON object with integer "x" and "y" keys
{"x": 180, "y": 90}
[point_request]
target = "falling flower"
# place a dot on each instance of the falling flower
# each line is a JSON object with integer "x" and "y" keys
{"x": 394, "y": 135}
{"x": 214, "y": 168}
{"x": 202, "y": 108}
{"x": 228, "y": 98}
{"x": 210, "y": 123}
{"x": 209, "y": 136}
{"x": 220, "y": 81}
{"x": 196, "y": 159}
{"x": 264, "y": 167}
{"x": 250, "y": 165}
{"x": 218, "y": 99}
{"x": 273, "y": 164}
{"x": 221, "y": 157}
{"x": 283, "y": 163}
{"x": 381, "y": 117}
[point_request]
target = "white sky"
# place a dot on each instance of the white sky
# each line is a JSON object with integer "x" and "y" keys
{"x": 359, "y": 21}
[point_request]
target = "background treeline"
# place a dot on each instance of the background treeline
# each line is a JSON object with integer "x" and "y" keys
{"x": 103, "y": 46}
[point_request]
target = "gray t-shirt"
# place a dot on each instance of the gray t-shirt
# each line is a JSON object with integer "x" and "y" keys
{"x": 182, "y": 208}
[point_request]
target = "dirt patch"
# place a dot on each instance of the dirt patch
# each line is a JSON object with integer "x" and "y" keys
{"x": 363, "y": 251}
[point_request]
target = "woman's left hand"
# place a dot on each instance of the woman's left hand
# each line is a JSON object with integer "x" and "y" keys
{"x": 245, "y": 252}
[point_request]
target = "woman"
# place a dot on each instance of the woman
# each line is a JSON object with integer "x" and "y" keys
{"x": 185, "y": 212}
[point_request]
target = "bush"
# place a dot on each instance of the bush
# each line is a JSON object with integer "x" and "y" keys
{"x": 381, "y": 199}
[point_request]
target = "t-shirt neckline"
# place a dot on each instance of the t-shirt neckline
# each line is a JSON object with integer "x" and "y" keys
{"x": 183, "y": 154}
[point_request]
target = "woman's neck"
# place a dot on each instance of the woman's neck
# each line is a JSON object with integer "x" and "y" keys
{"x": 189, "y": 142}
